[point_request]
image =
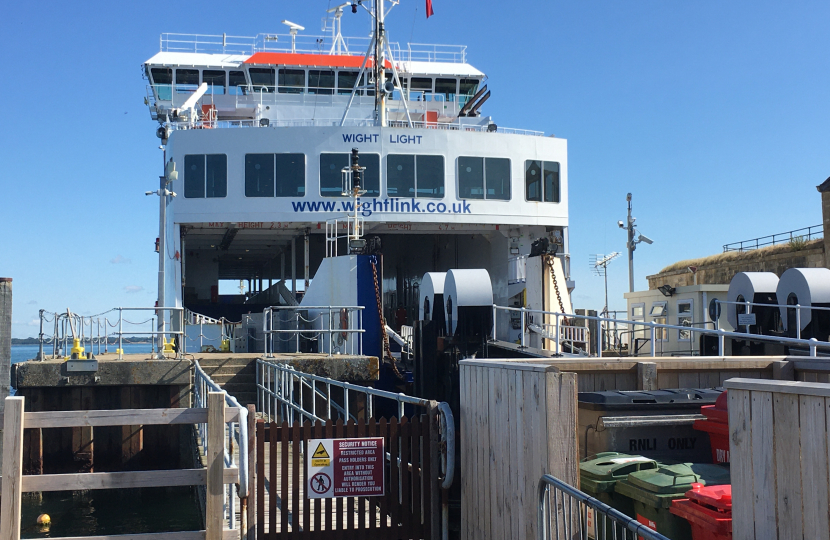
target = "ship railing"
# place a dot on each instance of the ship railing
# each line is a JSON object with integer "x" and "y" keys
{"x": 236, "y": 430}
{"x": 317, "y": 122}
{"x": 291, "y": 395}
{"x": 797, "y": 310}
{"x": 328, "y": 329}
{"x": 165, "y": 327}
{"x": 226, "y": 328}
{"x": 651, "y": 330}
{"x": 566, "y": 512}
{"x": 305, "y": 44}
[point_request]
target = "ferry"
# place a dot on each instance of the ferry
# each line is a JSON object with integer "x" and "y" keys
{"x": 260, "y": 133}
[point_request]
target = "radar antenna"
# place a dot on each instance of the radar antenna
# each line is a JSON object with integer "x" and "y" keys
{"x": 292, "y": 29}
{"x": 338, "y": 44}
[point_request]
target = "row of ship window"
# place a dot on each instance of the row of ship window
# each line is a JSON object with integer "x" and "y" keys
{"x": 298, "y": 81}
{"x": 284, "y": 175}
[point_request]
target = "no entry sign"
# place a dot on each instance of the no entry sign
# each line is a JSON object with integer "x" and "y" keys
{"x": 345, "y": 468}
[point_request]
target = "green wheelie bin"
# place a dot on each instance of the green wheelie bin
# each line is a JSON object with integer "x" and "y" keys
{"x": 599, "y": 474}
{"x": 652, "y": 492}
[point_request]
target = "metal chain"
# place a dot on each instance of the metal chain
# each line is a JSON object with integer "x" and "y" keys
{"x": 387, "y": 353}
{"x": 549, "y": 261}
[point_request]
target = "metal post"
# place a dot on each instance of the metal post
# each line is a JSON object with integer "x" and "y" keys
{"x": 305, "y": 256}
{"x": 40, "y": 337}
{"x": 294, "y": 268}
{"x": 813, "y": 347}
{"x": 556, "y": 336}
{"x": 630, "y": 245}
{"x": 599, "y": 338}
{"x": 494, "y": 322}
{"x": 523, "y": 328}
{"x": 746, "y": 310}
{"x": 653, "y": 344}
{"x": 797, "y": 321}
{"x": 721, "y": 343}
{"x": 120, "y": 333}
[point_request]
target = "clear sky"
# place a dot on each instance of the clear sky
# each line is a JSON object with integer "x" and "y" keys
{"x": 713, "y": 114}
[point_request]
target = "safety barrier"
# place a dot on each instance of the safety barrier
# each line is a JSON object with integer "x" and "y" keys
{"x": 234, "y": 430}
{"x": 342, "y": 327}
{"x": 566, "y": 512}
{"x": 281, "y": 392}
{"x": 812, "y": 344}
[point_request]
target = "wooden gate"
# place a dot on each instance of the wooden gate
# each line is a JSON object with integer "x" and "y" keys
{"x": 409, "y": 510}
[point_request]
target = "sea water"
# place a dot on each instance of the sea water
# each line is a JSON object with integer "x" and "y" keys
{"x": 108, "y": 512}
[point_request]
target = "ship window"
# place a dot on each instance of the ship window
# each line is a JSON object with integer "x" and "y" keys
{"x": 290, "y": 175}
{"x": 215, "y": 80}
{"x": 446, "y": 87}
{"x": 259, "y": 175}
{"x": 216, "y": 175}
{"x": 421, "y": 83}
{"x": 205, "y": 176}
{"x": 542, "y": 181}
{"x": 237, "y": 84}
{"x": 331, "y": 180}
{"x": 345, "y": 82}
{"x": 262, "y": 79}
{"x": 163, "y": 83}
{"x": 320, "y": 82}
{"x": 291, "y": 81}
{"x": 475, "y": 174}
{"x": 400, "y": 175}
{"x": 187, "y": 80}
{"x": 468, "y": 87}
{"x": 419, "y": 176}
{"x": 162, "y": 75}
{"x": 471, "y": 177}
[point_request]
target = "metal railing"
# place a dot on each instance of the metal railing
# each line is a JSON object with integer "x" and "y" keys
{"x": 226, "y": 330}
{"x": 567, "y": 513}
{"x": 63, "y": 335}
{"x": 651, "y": 327}
{"x": 281, "y": 391}
{"x": 305, "y": 44}
{"x": 342, "y": 326}
{"x": 234, "y": 431}
{"x": 798, "y": 308}
{"x": 806, "y": 233}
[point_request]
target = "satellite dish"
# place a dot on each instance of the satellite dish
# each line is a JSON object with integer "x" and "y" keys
{"x": 389, "y": 87}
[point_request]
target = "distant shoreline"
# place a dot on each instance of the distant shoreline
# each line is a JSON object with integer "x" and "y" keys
{"x": 34, "y": 341}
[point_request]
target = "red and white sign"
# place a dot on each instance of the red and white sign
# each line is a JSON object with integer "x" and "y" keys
{"x": 345, "y": 468}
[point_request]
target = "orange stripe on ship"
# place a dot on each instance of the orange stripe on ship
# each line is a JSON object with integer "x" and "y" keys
{"x": 322, "y": 60}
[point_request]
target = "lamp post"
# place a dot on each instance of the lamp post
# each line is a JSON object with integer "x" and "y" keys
{"x": 170, "y": 175}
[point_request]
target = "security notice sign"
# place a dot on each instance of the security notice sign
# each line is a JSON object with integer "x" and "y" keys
{"x": 345, "y": 468}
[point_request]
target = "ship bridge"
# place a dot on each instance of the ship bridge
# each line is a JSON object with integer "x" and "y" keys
{"x": 266, "y": 79}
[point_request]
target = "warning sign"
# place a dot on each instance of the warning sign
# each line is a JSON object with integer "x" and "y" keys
{"x": 320, "y": 458}
{"x": 345, "y": 468}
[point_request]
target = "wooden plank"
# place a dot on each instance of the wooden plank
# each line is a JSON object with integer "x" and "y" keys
{"x": 646, "y": 378}
{"x": 667, "y": 379}
{"x": 625, "y": 381}
{"x": 512, "y": 487}
{"x": 416, "y": 474}
{"x": 496, "y": 462}
{"x": 276, "y": 459}
{"x": 250, "y": 531}
{"x": 12, "y": 469}
{"x": 260, "y": 478}
{"x": 122, "y": 417}
{"x": 299, "y": 464}
{"x": 535, "y": 434}
{"x": 726, "y": 375}
{"x": 709, "y": 379}
{"x": 517, "y": 433}
{"x": 814, "y": 474}
{"x": 688, "y": 379}
{"x": 329, "y": 434}
{"x": 215, "y": 465}
{"x": 296, "y": 461}
{"x": 350, "y": 525}
{"x": 406, "y": 487}
{"x": 382, "y": 431}
{"x": 586, "y": 382}
{"x": 740, "y": 450}
{"x": 762, "y": 502}
{"x": 464, "y": 442}
{"x": 783, "y": 387}
{"x": 394, "y": 472}
{"x": 183, "y": 535}
{"x": 787, "y": 464}
{"x": 341, "y": 535}
{"x": 605, "y": 381}
{"x": 317, "y": 433}
{"x": 122, "y": 480}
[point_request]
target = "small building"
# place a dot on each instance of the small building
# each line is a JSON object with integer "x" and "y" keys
{"x": 678, "y": 306}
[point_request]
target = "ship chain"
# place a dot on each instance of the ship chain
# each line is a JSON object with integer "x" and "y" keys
{"x": 387, "y": 353}
{"x": 549, "y": 261}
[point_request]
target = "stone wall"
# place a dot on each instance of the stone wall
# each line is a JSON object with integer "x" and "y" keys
{"x": 720, "y": 269}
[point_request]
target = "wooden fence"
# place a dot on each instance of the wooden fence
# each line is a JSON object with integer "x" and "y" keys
{"x": 779, "y": 433}
{"x": 518, "y": 422}
{"x": 405, "y": 512}
{"x": 214, "y": 476}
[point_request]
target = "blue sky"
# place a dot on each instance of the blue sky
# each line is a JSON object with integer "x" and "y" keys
{"x": 713, "y": 114}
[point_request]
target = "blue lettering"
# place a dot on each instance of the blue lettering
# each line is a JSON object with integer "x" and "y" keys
{"x": 416, "y": 206}
{"x": 367, "y": 210}
{"x": 348, "y": 206}
{"x": 391, "y": 140}
{"x": 456, "y": 208}
{"x": 377, "y": 206}
{"x": 419, "y": 138}
{"x": 404, "y": 205}
{"x": 298, "y": 206}
{"x": 467, "y": 209}
{"x": 441, "y": 207}
{"x": 431, "y": 207}
{"x": 348, "y": 137}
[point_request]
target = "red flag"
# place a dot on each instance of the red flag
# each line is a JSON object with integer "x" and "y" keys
{"x": 429, "y": 9}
